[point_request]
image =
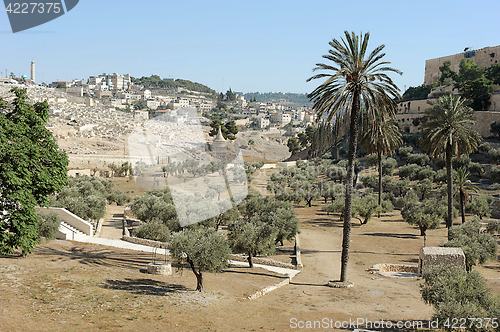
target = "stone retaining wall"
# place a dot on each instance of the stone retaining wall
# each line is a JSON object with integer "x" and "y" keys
{"x": 263, "y": 261}
{"x": 151, "y": 243}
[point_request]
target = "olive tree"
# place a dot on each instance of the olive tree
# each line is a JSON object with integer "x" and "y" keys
{"x": 203, "y": 249}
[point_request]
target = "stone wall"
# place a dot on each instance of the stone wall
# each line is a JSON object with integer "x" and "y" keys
{"x": 151, "y": 243}
{"x": 483, "y": 57}
{"x": 263, "y": 261}
{"x": 433, "y": 256}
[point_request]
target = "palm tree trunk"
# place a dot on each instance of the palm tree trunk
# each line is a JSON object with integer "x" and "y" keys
{"x": 449, "y": 180}
{"x": 462, "y": 203}
{"x": 379, "y": 182}
{"x": 353, "y": 141}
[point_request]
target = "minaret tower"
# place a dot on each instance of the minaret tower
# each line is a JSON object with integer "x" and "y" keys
{"x": 33, "y": 71}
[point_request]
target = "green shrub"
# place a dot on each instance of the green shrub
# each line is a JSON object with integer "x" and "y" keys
{"x": 493, "y": 226}
{"x": 153, "y": 230}
{"x": 404, "y": 151}
{"x": 456, "y": 294}
{"x": 479, "y": 205}
{"x": 409, "y": 171}
{"x": 495, "y": 173}
{"x": 48, "y": 225}
{"x": 418, "y": 158}
{"x": 463, "y": 162}
{"x": 494, "y": 155}
{"x": 425, "y": 173}
{"x": 388, "y": 166}
{"x": 484, "y": 147}
{"x": 476, "y": 168}
{"x": 478, "y": 247}
{"x": 440, "y": 176}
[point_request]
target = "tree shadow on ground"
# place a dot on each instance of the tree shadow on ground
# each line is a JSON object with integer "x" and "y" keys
{"x": 144, "y": 286}
{"x": 234, "y": 269}
{"x": 312, "y": 251}
{"x": 102, "y": 257}
{"x": 396, "y": 235}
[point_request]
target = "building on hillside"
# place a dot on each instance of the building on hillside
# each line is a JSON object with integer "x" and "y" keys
{"x": 483, "y": 57}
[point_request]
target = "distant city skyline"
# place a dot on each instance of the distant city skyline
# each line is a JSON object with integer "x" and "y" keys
{"x": 248, "y": 47}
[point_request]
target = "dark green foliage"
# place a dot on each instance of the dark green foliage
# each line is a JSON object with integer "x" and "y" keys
{"x": 252, "y": 237}
{"x": 278, "y": 214}
{"x": 484, "y": 147}
{"x": 456, "y": 294}
{"x": 495, "y": 128}
{"x": 31, "y": 168}
{"x": 154, "y": 81}
{"x": 462, "y": 162}
{"x": 48, "y": 225}
{"x": 321, "y": 138}
{"x": 157, "y": 205}
{"x": 425, "y": 173}
{"x": 419, "y": 92}
{"x": 404, "y": 151}
{"x": 293, "y": 145}
{"x": 423, "y": 187}
{"x": 425, "y": 215}
{"x": 203, "y": 249}
{"x": 409, "y": 171}
{"x": 493, "y": 226}
{"x": 299, "y": 99}
{"x": 494, "y": 155}
{"x": 87, "y": 197}
{"x": 417, "y": 158}
{"x": 495, "y": 173}
{"x": 478, "y": 247}
{"x": 479, "y": 205}
{"x": 447, "y": 75}
{"x": 388, "y": 166}
{"x": 476, "y": 168}
{"x": 229, "y": 129}
{"x": 473, "y": 84}
{"x": 154, "y": 230}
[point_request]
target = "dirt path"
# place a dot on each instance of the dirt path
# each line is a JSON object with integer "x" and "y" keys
{"x": 112, "y": 225}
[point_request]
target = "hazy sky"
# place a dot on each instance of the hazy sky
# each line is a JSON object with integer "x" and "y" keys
{"x": 246, "y": 45}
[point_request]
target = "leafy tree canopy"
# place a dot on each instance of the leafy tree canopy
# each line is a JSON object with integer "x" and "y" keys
{"x": 31, "y": 168}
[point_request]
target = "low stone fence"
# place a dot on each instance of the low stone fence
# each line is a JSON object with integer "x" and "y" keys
{"x": 264, "y": 261}
{"x": 394, "y": 268}
{"x": 151, "y": 243}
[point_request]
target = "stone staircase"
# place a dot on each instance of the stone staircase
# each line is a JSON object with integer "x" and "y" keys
{"x": 68, "y": 232}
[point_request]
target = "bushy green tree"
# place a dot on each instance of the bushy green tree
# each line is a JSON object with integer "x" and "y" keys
{"x": 458, "y": 295}
{"x": 478, "y": 247}
{"x": 31, "y": 168}
{"x": 252, "y": 237}
{"x": 473, "y": 84}
{"x": 48, "y": 225}
{"x": 425, "y": 215}
{"x": 155, "y": 230}
{"x": 157, "y": 205}
{"x": 293, "y": 145}
{"x": 203, "y": 249}
{"x": 479, "y": 205}
{"x": 404, "y": 151}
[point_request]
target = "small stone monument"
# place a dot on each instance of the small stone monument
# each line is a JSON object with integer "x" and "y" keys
{"x": 432, "y": 256}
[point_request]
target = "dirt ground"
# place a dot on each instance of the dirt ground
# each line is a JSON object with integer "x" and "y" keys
{"x": 68, "y": 286}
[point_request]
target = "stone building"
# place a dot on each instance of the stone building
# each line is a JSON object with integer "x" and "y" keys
{"x": 483, "y": 57}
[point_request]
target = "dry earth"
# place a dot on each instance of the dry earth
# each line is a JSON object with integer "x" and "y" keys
{"x": 68, "y": 286}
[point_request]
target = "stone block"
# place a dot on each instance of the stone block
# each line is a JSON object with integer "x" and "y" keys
{"x": 432, "y": 256}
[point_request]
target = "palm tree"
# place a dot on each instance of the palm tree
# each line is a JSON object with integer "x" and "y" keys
{"x": 383, "y": 138}
{"x": 354, "y": 78}
{"x": 464, "y": 186}
{"x": 448, "y": 131}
